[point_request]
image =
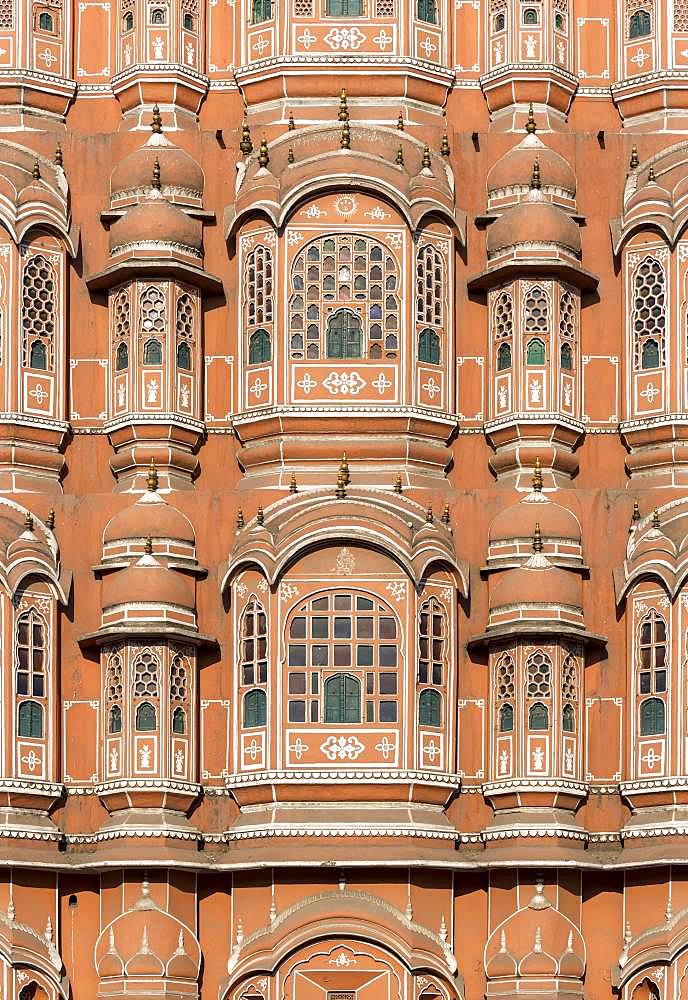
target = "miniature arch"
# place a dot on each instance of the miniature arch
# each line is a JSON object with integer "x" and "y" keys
{"x": 28, "y": 202}
{"x": 29, "y": 549}
{"x": 655, "y": 198}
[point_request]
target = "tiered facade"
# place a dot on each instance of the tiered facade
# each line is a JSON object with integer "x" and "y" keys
{"x": 344, "y": 499}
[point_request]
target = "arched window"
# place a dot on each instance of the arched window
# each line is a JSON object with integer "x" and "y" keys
{"x": 426, "y": 10}
{"x": 567, "y": 331}
{"x": 652, "y": 717}
{"x": 152, "y": 352}
{"x": 506, "y": 718}
{"x": 568, "y": 719}
{"x": 559, "y": 22}
{"x": 499, "y": 22}
{"x": 344, "y": 335}
{"x": 31, "y": 655}
{"x": 254, "y": 645}
{"x": 503, "y": 357}
{"x": 128, "y": 22}
{"x": 146, "y": 720}
{"x": 648, "y": 317}
{"x": 536, "y": 352}
{"x": 566, "y": 357}
{"x": 429, "y": 347}
{"x": 354, "y": 634}
{"x": 30, "y": 720}
{"x": 184, "y": 357}
{"x": 569, "y": 693}
{"x": 259, "y": 347}
{"x": 652, "y": 650}
{"x": 262, "y": 10}
{"x": 115, "y": 720}
{"x": 429, "y": 285}
{"x": 530, "y": 17}
{"x": 255, "y": 709}
{"x": 344, "y": 273}
{"x": 179, "y": 721}
{"x": 122, "y": 357}
{"x": 45, "y": 21}
{"x": 188, "y": 22}
{"x": 39, "y": 313}
{"x": 432, "y": 643}
{"x": 538, "y": 716}
{"x": 342, "y": 699}
{"x": 344, "y": 8}
{"x": 430, "y": 708}
{"x": 536, "y": 311}
{"x": 38, "y": 358}
{"x": 639, "y": 24}
{"x": 158, "y": 16}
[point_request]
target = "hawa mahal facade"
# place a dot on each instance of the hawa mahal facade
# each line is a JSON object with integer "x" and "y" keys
{"x": 344, "y": 499}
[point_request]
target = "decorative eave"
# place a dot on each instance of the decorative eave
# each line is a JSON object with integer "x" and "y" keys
{"x": 384, "y": 521}
{"x": 535, "y": 267}
{"x": 539, "y": 629}
{"x": 27, "y": 201}
{"x": 519, "y": 82}
{"x": 145, "y": 268}
{"x": 22, "y": 945}
{"x": 658, "y": 945}
{"x": 146, "y": 630}
{"x": 657, "y": 553}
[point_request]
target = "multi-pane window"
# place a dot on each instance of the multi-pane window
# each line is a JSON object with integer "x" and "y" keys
{"x": 114, "y": 691}
{"x": 152, "y": 306}
{"x": 426, "y": 10}
{"x": 258, "y": 303}
{"x": 179, "y": 693}
{"x": 432, "y": 664}
{"x": 648, "y": 317}
{"x": 259, "y": 347}
{"x": 38, "y": 313}
{"x": 652, "y": 673}
{"x": 538, "y": 690}
{"x": 30, "y": 677}
{"x": 503, "y": 330}
{"x": 185, "y": 333}
{"x": 253, "y": 665}
{"x": 344, "y": 291}
{"x": 262, "y": 10}
{"x": 344, "y": 8}
{"x": 640, "y": 24}
{"x": 429, "y": 285}
{"x": 146, "y": 691}
{"x": 567, "y": 332}
{"x": 569, "y": 693}
{"x": 343, "y": 660}
{"x": 121, "y": 325}
{"x": 505, "y": 693}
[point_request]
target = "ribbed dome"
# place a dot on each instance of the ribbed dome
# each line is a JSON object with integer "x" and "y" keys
{"x": 180, "y": 173}
{"x": 155, "y": 220}
{"x": 519, "y": 520}
{"x": 152, "y": 516}
{"x": 515, "y": 168}
{"x": 534, "y": 220}
{"x": 538, "y": 582}
{"x": 148, "y": 582}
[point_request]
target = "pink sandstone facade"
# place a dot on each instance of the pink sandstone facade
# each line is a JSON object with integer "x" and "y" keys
{"x": 344, "y": 499}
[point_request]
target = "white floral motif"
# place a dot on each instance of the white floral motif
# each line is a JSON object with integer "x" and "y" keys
{"x": 348, "y": 384}
{"x": 386, "y": 748}
{"x": 299, "y": 748}
{"x": 346, "y": 562}
{"x": 395, "y": 240}
{"x": 32, "y": 760}
{"x": 152, "y": 388}
{"x": 381, "y": 383}
{"x": 530, "y": 47}
{"x": 253, "y": 750}
{"x": 258, "y": 387}
{"x": 260, "y": 45}
{"x": 39, "y": 394}
{"x": 307, "y": 39}
{"x": 114, "y": 759}
{"x": 342, "y": 748}
{"x": 535, "y": 391}
{"x": 427, "y": 47}
{"x": 288, "y": 590}
{"x": 377, "y": 214}
{"x": 503, "y": 762}
{"x": 432, "y": 388}
{"x": 649, "y": 393}
{"x": 158, "y": 47}
{"x": 346, "y": 205}
{"x": 640, "y": 58}
{"x": 382, "y": 39}
{"x": 397, "y": 589}
{"x": 262, "y": 586}
{"x": 47, "y": 57}
{"x": 307, "y": 383}
{"x": 242, "y": 589}
{"x": 431, "y": 751}
{"x": 344, "y": 38}
{"x": 313, "y": 212}
{"x": 145, "y": 754}
{"x": 651, "y": 758}
{"x": 294, "y": 237}
{"x": 342, "y": 960}
{"x": 179, "y": 761}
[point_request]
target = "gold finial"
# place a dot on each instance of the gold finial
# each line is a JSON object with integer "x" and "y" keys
{"x": 445, "y": 514}
{"x": 426, "y": 162}
{"x": 292, "y": 124}
{"x": 260, "y": 516}
{"x": 152, "y": 477}
{"x": 263, "y": 155}
{"x": 340, "y": 492}
{"x": 240, "y": 519}
{"x": 36, "y": 172}
{"x": 535, "y": 182}
{"x": 635, "y": 516}
{"x": 292, "y": 484}
{"x": 290, "y": 156}
{"x": 399, "y": 160}
{"x": 537, "y": 476}
{"x": 655, "y": 518}
{"x": 156, "y": 123}
{"x": 343, "y": 113}
{"x": 50, "y": 520}
{"x": 400, "y": 121}
{"x": 58, "y": 155}
{"x": 155, "y": 183}
{"x": 28, "y": 523}
{"x": 651, "y": 174}
{"x": 344, "y": 468}
{"x": 537, "y": 538}
{"x": 429, "y": 516}
{"x": 246, "y": 146}
{"x": 148, "y": 547}
{"x": 397, "y": 484}
{"x": 634, "y": 161}
{"x": 444, "y": 145}
{"x": 345, "y": 140}
{"x": 530, "y": 124}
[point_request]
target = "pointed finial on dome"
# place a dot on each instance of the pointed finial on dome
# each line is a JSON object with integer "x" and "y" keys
{"x": 669, "y": 912}
{"x": 260, "y": 516}
{"x": 291, "y": 125}
{"x": 36, "y": 171}
{"x": 655, "y": 519}
{"x": 635, "y": 516}
{"x": 263, "y": 155}
{"x": 398, "y": 488}
{"x": 445, "y": 514}
{"x": 343, "y": 478}
{"x": 399, "y": 158}
{"x": 409, "y": 910}
{"x": 156, "y": 123}
{"x": 155, "y": 183}
{"x": 345, "y": 139}
{"x": 443, "y": 930}
{"x": 628, "y": 937}
{"x": 429, "y": 516}
{"x": 152, "y": 477}
{"x": 569, "y": 943}
{"x": 50, "y": 520}
{"x": 57, "y": 159}
{"x": 344, "y": 466}
{"x": 535, "y": 181}
{"x": 634, "y": 162}
{"x": 502, "y": 941}
{"x": 28, "y": 523}
{"x": 246, "y": 146}
{"x": 48, "y": 933}
{"x": 400, "y": 121}
{"x": 148, "y": 546}
{"x": 343, "y": 113}
{"x": 651, "y": 177}
{"x": 272, "y": 912}
{"x": 240, "y": 519}
{"x": 537, "y": 944}
{"x": 426, "y": 162}
{"x": 290, "y": 156}
{"x": 240, "y": 932}
{"x": 145, "y": 944}
{"x": 531, "y": 127}
{"x": 11, "y": 912}
{"x": 537, "y": 476}
{"x": 537, "y": 538}
{"x": 444, "y": 145}
{"x": 293, "y": 488}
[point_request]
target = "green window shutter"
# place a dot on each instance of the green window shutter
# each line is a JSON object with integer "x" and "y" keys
{"x": 146, "y": 721}
{"x": 30, "y": 719}
{"x": 429, "y": 347}
{"x": 344, "y": 335}
{"x": 342, "y": 699}
{"x": 255, "y": 708}
{"x": 536, "y": 352}
{"x": 259, "y": 347}
{"x": 352, "y": 699}
{"x": 430, "y": 708}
